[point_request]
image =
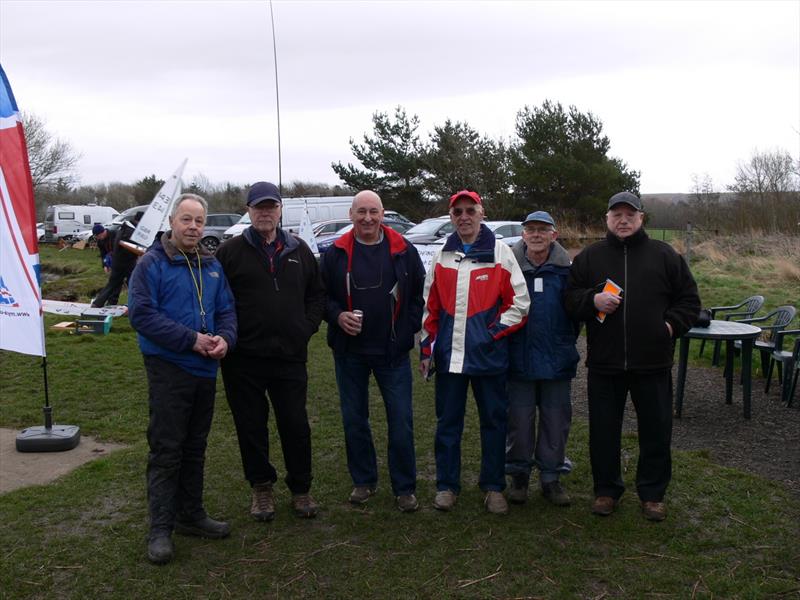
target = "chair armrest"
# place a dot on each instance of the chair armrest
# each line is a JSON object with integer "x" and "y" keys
{"x": 737, "y": 314}
{"x": 716, "y": 308}
{"x": 755, "y": 319}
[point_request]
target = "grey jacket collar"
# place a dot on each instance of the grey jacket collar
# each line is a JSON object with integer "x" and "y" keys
{"x": 558, "y": 257}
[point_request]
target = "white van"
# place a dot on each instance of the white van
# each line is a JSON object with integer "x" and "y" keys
{"x": 320, "y": 208}
{"x": 67, "y": 220}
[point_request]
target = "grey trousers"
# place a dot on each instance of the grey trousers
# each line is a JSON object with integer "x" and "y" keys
{"x": 544, "y": 447}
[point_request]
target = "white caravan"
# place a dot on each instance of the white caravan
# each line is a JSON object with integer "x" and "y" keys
{"x": 67, "y": 220}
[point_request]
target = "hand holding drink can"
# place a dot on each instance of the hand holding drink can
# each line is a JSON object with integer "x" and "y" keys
{"x": 358, "y": 314}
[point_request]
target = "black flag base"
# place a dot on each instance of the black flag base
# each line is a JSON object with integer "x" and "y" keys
{"x": 50, "y": 438}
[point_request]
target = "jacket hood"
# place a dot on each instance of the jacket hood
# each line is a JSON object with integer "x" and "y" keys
{"x": 482, "y": 248}
{"x": 558, "y": 256}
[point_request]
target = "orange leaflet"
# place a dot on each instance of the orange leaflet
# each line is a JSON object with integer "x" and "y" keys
{"x": 612, "y": 288}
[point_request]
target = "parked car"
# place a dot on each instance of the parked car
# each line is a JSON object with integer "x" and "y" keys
{"x": 326, "y": 241}
{"x": 216, "y": 226}
{"x": 435, "y": 231}
{"x": 40, "y": 232}
{"x": 430, "y": 231}
{"x": 329, "y": 227}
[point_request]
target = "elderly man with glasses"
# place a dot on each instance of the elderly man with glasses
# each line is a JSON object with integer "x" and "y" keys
{"x": 475, "y": 296}
{"x": 542, "y": 365}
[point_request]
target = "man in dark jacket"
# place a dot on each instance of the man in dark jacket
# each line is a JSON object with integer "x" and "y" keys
{"x": 374, "y": 270}
{"x": 279, "y": 303}
{"x": 122, "y": 264}
{"x": 542, "y": 360}
{"x": 182, "y": 309}
{"x": 637, "y": 296}
{"x": 105, "y": 244}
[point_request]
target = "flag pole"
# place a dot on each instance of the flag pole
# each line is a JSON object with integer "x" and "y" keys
{"x": 277, "y": 94}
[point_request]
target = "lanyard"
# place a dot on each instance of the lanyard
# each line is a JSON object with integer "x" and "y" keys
{"x": 198, "y": 287}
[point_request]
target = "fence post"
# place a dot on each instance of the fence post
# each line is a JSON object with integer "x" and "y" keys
{"x": 688, "y": 242}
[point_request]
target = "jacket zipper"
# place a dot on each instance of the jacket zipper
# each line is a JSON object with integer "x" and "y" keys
{"x": 625, "y": 310}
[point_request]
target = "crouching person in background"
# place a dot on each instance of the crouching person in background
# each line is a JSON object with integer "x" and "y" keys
{"x": 182, "y": 308}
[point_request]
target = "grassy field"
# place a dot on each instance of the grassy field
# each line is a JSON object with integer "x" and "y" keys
{"x": 729, "y": 534}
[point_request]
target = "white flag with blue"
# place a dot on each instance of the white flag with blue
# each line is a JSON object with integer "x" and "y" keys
{"x": 21, "y": 322}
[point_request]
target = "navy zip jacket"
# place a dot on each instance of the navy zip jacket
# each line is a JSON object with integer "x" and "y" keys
{"x": 164, "y": 309}
{"x": 405, "y": 306}
{"x": 545, "y": 348}
{"x": 658, "y": 287}
{"x": 279, "y": 306}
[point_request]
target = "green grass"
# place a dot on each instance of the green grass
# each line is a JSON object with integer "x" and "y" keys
{"x": 729, "y": 534}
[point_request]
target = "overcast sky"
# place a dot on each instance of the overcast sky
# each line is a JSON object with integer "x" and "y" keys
{"x": 681, "y": 87}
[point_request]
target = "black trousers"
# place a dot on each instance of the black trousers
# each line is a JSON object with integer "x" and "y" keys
{"x": 651, "y": 395}
{"x": 249, "y": 381}
{"x": 110, "y": 293}
{"x": 181, "y": 409}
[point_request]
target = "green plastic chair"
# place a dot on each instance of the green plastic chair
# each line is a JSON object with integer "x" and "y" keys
{"x": 750, "y": 307}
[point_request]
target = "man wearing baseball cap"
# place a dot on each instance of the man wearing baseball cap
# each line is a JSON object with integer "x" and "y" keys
{"x": 280, "y": 299}
{"x": 542, "y": 364}
{"x": 475, "y": 296}
{"x": 637, "y": 296}
{"x": 104, "y": 241}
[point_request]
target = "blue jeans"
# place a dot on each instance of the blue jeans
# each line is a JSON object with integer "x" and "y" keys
{"x": 451, "y": 400}
{"x": 394, "y": 382}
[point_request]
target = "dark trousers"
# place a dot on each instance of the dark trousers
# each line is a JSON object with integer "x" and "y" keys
{"x": 651, "y": 395}
{"x": 249, "y": 380}
{"x": 181, "y": 409}
{"x": 110, "y": 293}
{"x": 451, "y": 403}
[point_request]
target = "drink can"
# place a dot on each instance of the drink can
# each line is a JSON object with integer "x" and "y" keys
{"x": 359, "y": 314}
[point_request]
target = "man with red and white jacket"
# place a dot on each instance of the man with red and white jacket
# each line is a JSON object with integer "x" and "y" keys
{"x": 475, "y": 295}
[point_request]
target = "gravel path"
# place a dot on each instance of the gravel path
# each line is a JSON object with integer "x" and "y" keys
{"x": 768, "y": 444}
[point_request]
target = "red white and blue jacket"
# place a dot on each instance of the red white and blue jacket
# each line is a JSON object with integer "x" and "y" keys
{"x": 472, "y": 302}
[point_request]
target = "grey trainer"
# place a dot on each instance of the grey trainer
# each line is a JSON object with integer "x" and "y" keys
{"x": 444, "y": 500}
{"x": 362, "y": 493}
{"x": 495, "y": 503}
{"x": 407, "y": 503}
{"x": 554, "y": 492}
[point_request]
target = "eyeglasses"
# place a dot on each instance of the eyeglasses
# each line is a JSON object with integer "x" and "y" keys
{"x": 539, "y": 230}
{"x": 470, "y": 210}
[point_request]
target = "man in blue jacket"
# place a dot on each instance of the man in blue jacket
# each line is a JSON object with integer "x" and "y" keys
{"x": 374, "y": 270}
{"x": 182, "y": 308}
{"x": 542, "y": 361}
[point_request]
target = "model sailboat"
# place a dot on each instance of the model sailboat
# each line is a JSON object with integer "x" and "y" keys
{"x": 156, "y": 217}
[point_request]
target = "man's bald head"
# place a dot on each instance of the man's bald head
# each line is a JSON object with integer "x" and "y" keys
{"x": 367, "y": 216}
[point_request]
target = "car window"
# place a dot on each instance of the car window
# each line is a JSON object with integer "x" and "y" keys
{"x": 428, "y": 227}
{"x": 504, "y": 230}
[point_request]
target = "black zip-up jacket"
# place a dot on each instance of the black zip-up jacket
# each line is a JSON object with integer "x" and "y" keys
{"x": 405, "y": 308}
{"x": 278, "y": 311}
{"x": 658, "y": 287}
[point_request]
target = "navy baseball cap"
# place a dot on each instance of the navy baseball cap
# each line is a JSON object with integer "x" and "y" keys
{"x": 261, "y": 191}
{"x": 541, "y": 217}
{"x": 98, "y": 229}
{"x": 631, "y": 200}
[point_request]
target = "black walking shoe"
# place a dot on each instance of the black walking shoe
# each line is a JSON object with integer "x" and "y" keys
{"x": 554, "y": 492}
{"x": 205, "y": 528}
{"x": 160, "y": 549}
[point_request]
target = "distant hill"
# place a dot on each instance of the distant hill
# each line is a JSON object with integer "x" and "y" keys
{"x": 675, "y": 198}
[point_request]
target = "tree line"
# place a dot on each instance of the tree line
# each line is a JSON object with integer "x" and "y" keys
{"x": 558, "y": 160}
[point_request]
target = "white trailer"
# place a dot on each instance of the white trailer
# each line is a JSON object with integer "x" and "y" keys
{"x": 67, "y": 220}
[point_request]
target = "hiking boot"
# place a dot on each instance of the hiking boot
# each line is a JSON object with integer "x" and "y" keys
{"x": 654, "y": 511}
{"x": 304, "y": 506}
{"x": 604, "y": 505}
{"x": 263, "y": 505}
{"x": 362, "y": 493}
{"x": 518, "y": 492}
{"x": 444, "y": 500}
{"x": 495, "y": 503}
{"x": 160, "y": 549}
{"x": 205, "y": 528}
{"x": 554, "y": 492}
{"x": 407, "y": 503}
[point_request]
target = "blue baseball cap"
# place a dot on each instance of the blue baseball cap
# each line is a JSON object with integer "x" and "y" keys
{"x": 541, "y": 217}
{"x": 261, "y": 191}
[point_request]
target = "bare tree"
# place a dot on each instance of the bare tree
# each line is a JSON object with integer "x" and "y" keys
{"x": 768, "y": 190}
{"x": 52, "y": 160}
{"x": 705, "y": 202}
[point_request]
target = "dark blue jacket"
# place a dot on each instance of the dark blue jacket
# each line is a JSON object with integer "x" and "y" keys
{"x": 405, "y": 307}
{"x": 164, "y": 309}
{"x": 545, "y": 348}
